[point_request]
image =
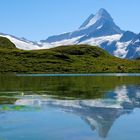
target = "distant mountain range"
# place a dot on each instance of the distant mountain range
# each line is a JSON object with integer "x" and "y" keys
{"x": 98, "y": 29}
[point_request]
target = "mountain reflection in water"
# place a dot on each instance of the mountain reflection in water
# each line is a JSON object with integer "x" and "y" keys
{"x": 99, "y": 114}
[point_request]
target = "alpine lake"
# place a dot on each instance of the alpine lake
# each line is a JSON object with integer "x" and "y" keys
{"x": 70, "y": 107}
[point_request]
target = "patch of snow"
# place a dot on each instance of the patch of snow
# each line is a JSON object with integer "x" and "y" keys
{"x": 138, "y": 49}
{"x": 61, "y": 43}
{"x": 99, "y": 40}
{"x": 137, "y": 41}
{"x": 93, "y": 20}
{"x": 24, "y": 45}
{"x": 99, "y": 27}
{"x": 121, "y": 49}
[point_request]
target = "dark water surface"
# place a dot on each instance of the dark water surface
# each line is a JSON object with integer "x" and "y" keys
{"x": 70, "y": 107}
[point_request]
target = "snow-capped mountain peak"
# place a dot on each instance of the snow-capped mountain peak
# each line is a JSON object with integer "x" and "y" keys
{"x": 99, "y": 25}
{"x": 102, "y": 14}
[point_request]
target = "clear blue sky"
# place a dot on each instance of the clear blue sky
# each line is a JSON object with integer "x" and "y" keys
{"x": 38, "y": 19}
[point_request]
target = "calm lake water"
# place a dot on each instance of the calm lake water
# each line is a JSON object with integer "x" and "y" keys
{"x": 70, "y": 107}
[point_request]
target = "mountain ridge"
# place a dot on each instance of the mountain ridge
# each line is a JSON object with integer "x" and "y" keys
{"x": 100, "y": 30}
{"x": 93, "y": 25}
{"x": 97, "y": 30}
